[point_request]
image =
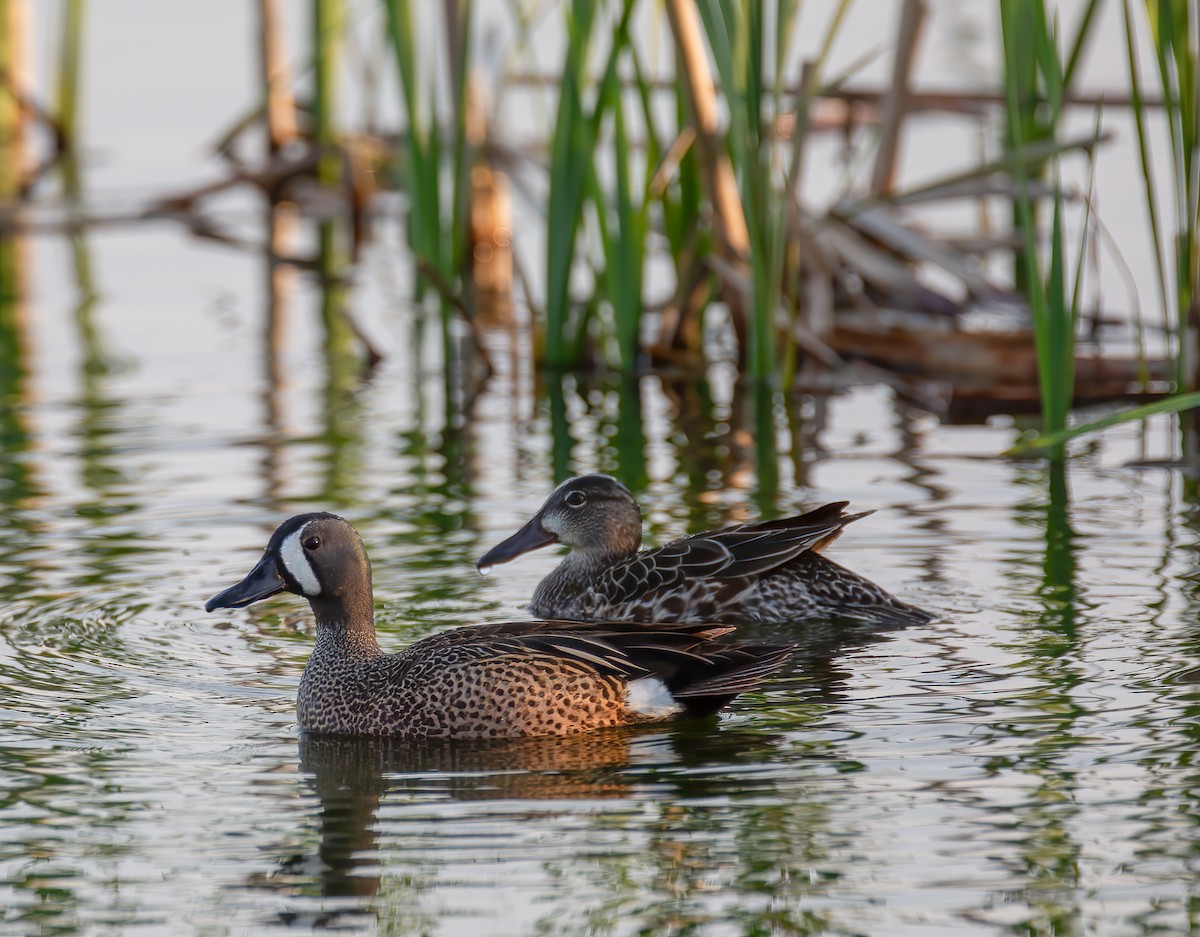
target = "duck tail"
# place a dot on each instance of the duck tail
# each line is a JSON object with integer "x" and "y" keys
{"x": 723, "y": 674}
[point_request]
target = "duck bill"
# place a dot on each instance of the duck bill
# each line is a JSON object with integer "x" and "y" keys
{"x": 530, "y": 537}
{"x": 262, "y": 581}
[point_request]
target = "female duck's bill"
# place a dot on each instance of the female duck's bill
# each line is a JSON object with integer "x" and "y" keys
{"x": 511, "y": 679}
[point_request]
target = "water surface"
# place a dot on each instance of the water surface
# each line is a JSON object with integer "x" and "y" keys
{"x": 1023, "y": 765}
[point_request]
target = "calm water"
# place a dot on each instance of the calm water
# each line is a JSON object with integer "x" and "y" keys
{"x": 1024, "y": 765}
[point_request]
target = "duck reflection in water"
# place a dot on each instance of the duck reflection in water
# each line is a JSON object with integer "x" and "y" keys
{"x": 353, "y": 776}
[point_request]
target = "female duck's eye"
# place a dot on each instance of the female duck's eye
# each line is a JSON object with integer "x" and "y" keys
{"x": 576, "y": 499}
{"x": 311, "y": 543}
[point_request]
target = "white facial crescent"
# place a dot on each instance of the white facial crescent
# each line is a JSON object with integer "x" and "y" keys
{"x": 295, "y": 561}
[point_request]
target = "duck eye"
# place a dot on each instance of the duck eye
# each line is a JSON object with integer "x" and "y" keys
{"x": 311, "y": 543}
{"x": 576, "y": 499}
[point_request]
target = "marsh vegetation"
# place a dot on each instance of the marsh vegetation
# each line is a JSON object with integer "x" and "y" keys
{"x": 416, "y": 263}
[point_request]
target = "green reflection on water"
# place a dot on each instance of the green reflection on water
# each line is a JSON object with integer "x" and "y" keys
{"x": 626, "y": 434}
{"x": 341, "y": 433}
{"x": 1048, "y": 853}
{"x": 14, "y": 373}
{"x": 562, "y": 444}
{"x": 766, "y": 491}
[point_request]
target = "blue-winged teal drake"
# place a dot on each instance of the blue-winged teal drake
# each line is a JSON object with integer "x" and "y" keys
{"x": 767, "y": 572}
{"x": 529, "y": 678}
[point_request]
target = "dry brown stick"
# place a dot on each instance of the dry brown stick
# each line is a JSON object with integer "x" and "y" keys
{"x": 14, "y": 67}
{"x": 895, "y": 102}
{"x": 732, "y": 233}
{"x": 669, "y": 164}
{"x": 689, "y": 39}
{"x": 276, "y": 78}
{"x": 932, "y": 100}
{"x": 277, "y": 171}
{"x": 29, "y": 107}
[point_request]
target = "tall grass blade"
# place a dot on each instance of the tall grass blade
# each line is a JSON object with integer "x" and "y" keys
{"x": 1138, "y": 109}
{"x": 1177, "y": 52}
{"x": 681, "y": 187}
{"x": 739, "y": 38}
{"x": 340, "y": 341}
{"x": 570, "y": 164}
{"x": 1054, "y": 440}
{"x": 622, "y": 219}
{"x": 69, "y": 65}
{"x": 625, "y": 252}
{"x": 1082, "y": 34}
{"x": 1032, "y": 64}
{"x": 420, "y": 142}
{"x": 459, "y": 17}
{"x": 327, "y": 40}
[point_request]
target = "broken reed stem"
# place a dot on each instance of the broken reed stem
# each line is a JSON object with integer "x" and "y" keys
{"x": 702, "y": 92}
{"x": 276, "y": 78}
{"x": 896, "y": 99}
{"x": 14, "y": 19}
{"x": 722, "y": 184}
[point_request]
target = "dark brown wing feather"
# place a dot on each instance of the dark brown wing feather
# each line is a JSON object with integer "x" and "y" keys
{"x": 700, "y": 673}
{"x": 747, "y": 550}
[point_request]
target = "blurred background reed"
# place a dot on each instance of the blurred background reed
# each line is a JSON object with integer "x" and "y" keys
{"x": 668, "y": 187}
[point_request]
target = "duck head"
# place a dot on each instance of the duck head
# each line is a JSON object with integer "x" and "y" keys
{"x": 319, "y": 556}
{"x": 591, "y": 514}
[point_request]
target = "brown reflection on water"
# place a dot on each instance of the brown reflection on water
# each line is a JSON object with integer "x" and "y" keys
{"x": 669, "y": 862}
{"x": 352, "y": 776}
{"x": 279, "y": 252}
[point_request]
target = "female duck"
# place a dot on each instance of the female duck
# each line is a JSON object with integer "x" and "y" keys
{"x": 483, "y": 681}
{"x": 766, "y": 572}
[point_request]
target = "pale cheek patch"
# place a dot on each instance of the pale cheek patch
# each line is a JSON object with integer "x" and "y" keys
{"x": 649, "y": 696}
{"x": 296, "y": 562}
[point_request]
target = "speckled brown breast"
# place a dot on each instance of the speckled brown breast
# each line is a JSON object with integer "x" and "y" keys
{"x": 504, "y": 697}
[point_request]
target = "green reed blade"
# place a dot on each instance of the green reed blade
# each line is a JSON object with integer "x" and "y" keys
{"x": 327, "y": 41}
{"x": 626, "y": 253}
{"x": 1151, "y": 199}
{"x": 621, "y": 216}
{"x": 1082, "y": 34}
{"x": 424, "y": 216}
{"x": 1054, "y": 440}
{"x": 731, "y": 29}
{"x": 70, "y": 62}
{"x": 570, "y": 158}
{"x": 1177, "y": 54}
{"x": 1030, "y": 52}
{"x": 463, "y": 12}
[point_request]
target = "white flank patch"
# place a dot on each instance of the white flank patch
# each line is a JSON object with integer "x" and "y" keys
{"x": 649, "y": 696}
{"x": 296, "y": 562}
